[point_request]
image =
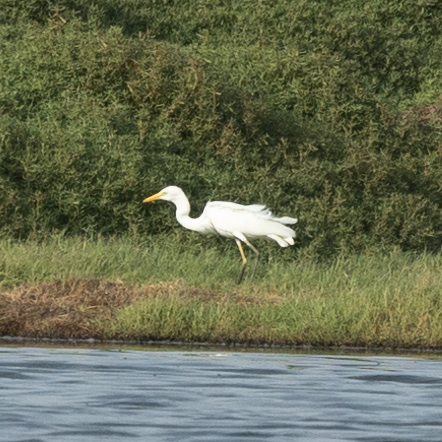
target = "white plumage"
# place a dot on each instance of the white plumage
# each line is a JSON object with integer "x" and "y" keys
{"x": 232, "y": 221}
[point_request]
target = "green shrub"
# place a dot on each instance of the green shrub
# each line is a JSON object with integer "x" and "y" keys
{"x": 329, "y": 111}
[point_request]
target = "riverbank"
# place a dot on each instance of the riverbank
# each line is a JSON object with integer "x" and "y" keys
{"x": 117, "y": 290}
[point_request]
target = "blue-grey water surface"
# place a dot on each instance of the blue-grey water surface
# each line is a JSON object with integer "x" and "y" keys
{"x": 52, "y": 394}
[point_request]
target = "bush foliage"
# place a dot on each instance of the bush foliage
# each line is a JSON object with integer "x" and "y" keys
{"x": 329, "y": 111}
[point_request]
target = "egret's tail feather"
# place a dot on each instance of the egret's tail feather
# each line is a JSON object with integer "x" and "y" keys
{"x": 281, "y": 241}
{"x": 290, "y": 240}
{"x": 287, "y": 220}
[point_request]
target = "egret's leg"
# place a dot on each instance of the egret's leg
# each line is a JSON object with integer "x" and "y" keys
{"x": 244, "y": 261}
{"x": 256, "y": 259}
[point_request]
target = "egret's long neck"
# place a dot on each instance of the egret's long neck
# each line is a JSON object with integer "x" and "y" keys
{"x": 182, "y": 214}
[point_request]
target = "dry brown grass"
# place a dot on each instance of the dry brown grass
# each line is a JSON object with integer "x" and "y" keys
{"x": 61, "y": 310}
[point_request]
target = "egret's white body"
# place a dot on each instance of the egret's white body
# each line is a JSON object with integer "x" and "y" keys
{"x": 231, "y": 220}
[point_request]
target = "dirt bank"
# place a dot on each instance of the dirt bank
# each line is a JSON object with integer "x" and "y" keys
{"x": 74, "y": 309}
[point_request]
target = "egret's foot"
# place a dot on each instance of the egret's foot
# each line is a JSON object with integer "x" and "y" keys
{"x": 241, "y": 275}
{"x": 254, "y": 267}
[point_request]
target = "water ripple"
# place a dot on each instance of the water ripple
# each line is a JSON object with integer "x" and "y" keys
{"x": 48, "y": 395}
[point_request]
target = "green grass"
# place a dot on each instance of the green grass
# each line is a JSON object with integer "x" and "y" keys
{"x": 126, "y": 259}
{"x": 391, "y": 300}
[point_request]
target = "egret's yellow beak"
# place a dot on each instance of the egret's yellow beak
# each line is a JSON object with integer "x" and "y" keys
{"x": 157, "y": 196}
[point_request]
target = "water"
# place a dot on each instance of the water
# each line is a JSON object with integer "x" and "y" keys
{"x": 50, "y": 394}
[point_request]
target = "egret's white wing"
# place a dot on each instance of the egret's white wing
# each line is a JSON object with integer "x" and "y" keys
{"x": 261, "y": 210}
{"x": 235, "y": 206}
{"x": 253, "y": 220}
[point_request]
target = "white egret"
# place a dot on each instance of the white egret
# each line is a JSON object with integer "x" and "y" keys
{"x": 232, "y": 221}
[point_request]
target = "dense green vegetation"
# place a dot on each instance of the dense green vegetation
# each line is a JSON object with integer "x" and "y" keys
{"x": 326, "y": 110}
{"x": 387, "y": 300}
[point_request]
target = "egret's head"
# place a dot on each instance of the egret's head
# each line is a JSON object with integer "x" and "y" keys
{"x": 170, "y": 193}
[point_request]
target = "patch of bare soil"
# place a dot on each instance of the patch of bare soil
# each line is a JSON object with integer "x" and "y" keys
{"x": 71, "y": 309}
